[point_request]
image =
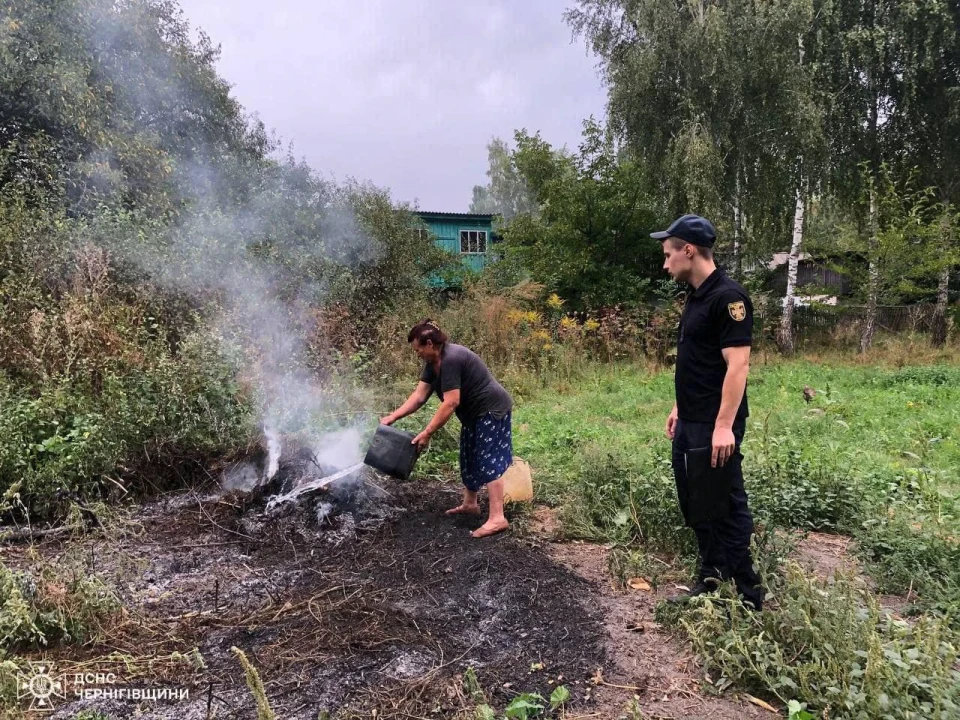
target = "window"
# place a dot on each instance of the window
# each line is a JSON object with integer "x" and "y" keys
{"x": 473, "y": 241}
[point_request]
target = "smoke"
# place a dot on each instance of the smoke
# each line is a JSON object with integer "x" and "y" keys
{"x": 258, "y": 240}
{"x": 337, "y": 450}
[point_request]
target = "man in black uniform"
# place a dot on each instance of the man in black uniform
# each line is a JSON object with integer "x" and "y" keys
{"x": 708, "y": 419}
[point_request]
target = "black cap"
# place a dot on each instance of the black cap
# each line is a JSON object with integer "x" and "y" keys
{"x": 690, "y": 228}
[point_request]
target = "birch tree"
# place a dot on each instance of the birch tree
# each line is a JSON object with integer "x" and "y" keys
{"x": 928, "y": 53}
{"x": 785, "y": 339}
{"x": 711, "y": 95}
{"x": 506, "y": 194}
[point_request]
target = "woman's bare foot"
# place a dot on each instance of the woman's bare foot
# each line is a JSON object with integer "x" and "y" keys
{"x": 464, "y": 510}
{"x": 490, "y": 527}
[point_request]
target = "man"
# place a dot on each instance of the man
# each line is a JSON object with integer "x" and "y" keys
{"x": 708, "y": 420}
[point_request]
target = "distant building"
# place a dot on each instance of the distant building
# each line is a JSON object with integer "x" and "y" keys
{"x": 818, "y": 280}
{"x": 469, "y": 235}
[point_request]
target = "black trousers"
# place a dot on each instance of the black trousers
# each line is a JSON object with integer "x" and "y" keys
{"x": 724, "y": 545}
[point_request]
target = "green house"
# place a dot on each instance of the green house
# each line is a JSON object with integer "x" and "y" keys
{"x": 469, "y": 235}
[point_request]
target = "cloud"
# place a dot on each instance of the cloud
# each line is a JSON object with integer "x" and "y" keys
{"x": 405, "y": 95}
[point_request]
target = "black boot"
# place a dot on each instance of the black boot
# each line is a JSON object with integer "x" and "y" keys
{"x": 702, "y": 587}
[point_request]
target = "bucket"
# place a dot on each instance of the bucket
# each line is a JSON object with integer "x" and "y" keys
{"x": 391, "y": 452}
{"x": 518, "y": 482}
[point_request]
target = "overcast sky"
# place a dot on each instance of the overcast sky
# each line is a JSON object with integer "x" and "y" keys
{"x": 405, "y": 93}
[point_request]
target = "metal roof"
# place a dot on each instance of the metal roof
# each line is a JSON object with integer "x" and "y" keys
{"x": 487, "y": 216}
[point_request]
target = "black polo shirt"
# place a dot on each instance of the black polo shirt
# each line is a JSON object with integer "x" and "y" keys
{"x": 717, "y": 315}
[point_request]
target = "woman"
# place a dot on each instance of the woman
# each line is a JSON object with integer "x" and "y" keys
{"x": 465, "y": 387}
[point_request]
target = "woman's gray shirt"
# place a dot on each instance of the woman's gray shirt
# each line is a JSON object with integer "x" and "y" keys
{"x": 462, "y": 369}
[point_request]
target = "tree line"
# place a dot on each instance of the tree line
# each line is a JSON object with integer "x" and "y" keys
{"x": 820, "y": 126}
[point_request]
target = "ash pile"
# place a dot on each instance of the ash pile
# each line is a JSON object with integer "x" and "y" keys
{"x": 325, "y": 490}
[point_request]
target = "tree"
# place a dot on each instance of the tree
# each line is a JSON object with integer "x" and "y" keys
{"x": 131, "y": 107}
{"x": 712, "y": 98}
{"x": 926, "y": 132}
{"x": 589, "y": 242}
{"x": 506, "y": 194}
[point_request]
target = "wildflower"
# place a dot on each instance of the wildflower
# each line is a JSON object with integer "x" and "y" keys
{"x": 568, "y": 323}
{"x": 591, "y": 325}
{"x": 555, "y": 301}
{"x": 515, "y": 316}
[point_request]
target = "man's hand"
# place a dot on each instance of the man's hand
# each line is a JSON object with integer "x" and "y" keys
{"x": 671, "y": 426}
{"x": 387, "y": 420}
{"x": 724, "y": 443}
{"x": 421, "y": 441}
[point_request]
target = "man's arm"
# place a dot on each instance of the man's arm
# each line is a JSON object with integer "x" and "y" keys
{"x": 734, "y": 385}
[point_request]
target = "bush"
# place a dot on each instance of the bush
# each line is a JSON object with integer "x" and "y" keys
{"x": 789, "y": 490}
{"x": 623, "y": 497}
{"x": 829, "y": 645}
{"x": 69, "y": 434}
{"x": 525, "y": 334}
{"x": 43, "y": 607}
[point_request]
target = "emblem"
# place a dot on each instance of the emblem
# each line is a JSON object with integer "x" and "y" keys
{"x": 737, "y": 310}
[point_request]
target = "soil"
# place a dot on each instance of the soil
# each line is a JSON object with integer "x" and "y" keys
{"x": 825, "y": 554}
{"x": 359, "y": 601}
{"x": 381, "y": 609}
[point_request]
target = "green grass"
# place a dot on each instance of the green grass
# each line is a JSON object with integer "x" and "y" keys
{"x": 875, "y": 455}
{"x": 898, "y": 423}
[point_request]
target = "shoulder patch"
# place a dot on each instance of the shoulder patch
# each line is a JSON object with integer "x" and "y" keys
{"x": 737, "y": 310}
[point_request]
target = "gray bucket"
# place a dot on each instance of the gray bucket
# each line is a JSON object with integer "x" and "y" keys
{"x": 391, "y": 452}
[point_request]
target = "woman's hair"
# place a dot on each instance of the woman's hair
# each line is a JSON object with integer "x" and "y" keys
{"x": 427, "y": 330}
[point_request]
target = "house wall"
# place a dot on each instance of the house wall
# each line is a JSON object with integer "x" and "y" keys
{"x": 447, "y": 232}
{"x": 810, "y": 275}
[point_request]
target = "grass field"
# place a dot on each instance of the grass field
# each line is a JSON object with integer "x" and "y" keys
{"x": 874, "y": 455}
{"x": 895, "y": 423}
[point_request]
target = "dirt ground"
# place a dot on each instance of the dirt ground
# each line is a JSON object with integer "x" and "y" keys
{"x": 380, "y": 608}
{"x": 384, "y": 608}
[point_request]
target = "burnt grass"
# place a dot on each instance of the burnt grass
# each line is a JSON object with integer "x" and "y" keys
{"x": 383, "y": 605}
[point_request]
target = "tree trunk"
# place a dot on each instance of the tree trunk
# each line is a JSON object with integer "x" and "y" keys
{"x": 938, "y": 336}
{"x": 873, "y": 278}
{"x": 786, "y": 321}
{"x": 737, "y": 232}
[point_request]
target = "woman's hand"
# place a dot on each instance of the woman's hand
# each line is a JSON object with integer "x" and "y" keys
{"x": 421, "y": 441}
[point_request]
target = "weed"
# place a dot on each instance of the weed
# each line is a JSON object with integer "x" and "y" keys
{"x": 45, "y": 607}
{"x": 255, "y": 684}
{"x": 828, "y": 645}
{"x": 919, "y": 560}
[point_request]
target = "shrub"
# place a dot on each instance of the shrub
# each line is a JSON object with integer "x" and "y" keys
{"x": 43, "y": 607}
{"x": 68, "y": 434}
{"x": 828, "y": 644}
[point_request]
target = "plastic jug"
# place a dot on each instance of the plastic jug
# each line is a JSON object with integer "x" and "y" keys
{"x": 391, "y": 452}
{"x": 518, "y": 482}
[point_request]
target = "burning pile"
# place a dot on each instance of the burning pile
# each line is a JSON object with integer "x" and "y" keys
{"x": 324, "y": 480}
